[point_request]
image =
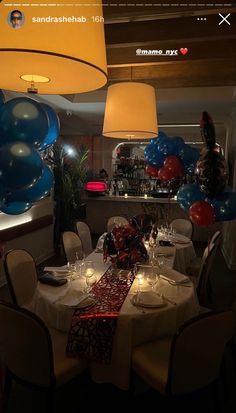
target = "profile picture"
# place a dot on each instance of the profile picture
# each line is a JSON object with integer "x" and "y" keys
{"x": 16, "y": 19}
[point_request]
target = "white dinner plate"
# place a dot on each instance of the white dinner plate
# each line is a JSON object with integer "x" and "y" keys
{"x": 148, "y": 299}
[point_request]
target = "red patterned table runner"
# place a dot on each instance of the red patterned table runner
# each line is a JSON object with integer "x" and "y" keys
{"x": 92, "y": 330}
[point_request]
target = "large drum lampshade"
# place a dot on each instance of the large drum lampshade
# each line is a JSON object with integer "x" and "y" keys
{"x": 130, "y": 111}
{"x": 59, "y": 48}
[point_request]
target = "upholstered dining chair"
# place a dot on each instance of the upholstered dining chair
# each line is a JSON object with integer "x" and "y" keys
{"x": 200, "y": 269}
{"x": 183, "y": 226}
{"x": 72, "y": 245}
{"x": 21, "y": 276}
{"x": 114, "y": 221}
{"x": 34, "y": 355}
{"x": 84, "y": 233}
{"x": 188, "y": 361}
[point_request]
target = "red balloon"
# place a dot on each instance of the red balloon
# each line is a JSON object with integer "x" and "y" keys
{"x": 151, "y": 170}
{"x": 165, "y": 175}
{"x": 175, "y": 165}
{"x": 202, "y": 213}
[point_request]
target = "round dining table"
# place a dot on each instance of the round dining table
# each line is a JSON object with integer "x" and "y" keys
{"x": 136, "y": 324}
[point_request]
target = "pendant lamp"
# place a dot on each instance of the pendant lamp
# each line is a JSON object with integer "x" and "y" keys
{"x": 55, "y": 48}
{"x": 130, "y": 111}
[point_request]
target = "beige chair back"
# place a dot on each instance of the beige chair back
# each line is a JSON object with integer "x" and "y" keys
{"x": 116, "y": 221}
{"x": 83, "y": 232}
{"x": 183, "y": 226}
{"x": 72, "y": 244}
{"x": 197, "y": 351}
{"x": 26, "y": 346}
{"x": 21, "y": 276}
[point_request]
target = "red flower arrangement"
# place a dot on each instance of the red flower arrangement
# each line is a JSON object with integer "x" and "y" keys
{"x": 124, "y": 246}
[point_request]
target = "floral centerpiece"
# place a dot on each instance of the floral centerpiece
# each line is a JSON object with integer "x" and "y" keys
{"x": 124, "y": 246}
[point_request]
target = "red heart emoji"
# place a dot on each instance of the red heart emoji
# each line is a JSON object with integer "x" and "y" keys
{"x": 183, "y": 50}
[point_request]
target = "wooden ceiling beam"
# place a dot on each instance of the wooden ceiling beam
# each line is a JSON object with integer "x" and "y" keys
{"x": 179, "y": 74}
{"x": 143, "y": 32}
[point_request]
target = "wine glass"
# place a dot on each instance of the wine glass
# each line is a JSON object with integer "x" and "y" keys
{"x": 152, "y": 279}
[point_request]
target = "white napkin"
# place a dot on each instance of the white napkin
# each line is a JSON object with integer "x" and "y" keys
{"x": 148, "y": 299}
{"x": 181, "y": 239}
{"x": 73, "y": 298}
{"x": 175, "y": 277}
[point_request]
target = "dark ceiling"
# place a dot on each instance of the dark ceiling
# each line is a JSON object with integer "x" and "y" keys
{"x": 209, "y": 61}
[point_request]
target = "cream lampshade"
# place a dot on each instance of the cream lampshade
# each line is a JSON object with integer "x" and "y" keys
{"x": 58, "y": 47}
{"x": 130, "y": 111}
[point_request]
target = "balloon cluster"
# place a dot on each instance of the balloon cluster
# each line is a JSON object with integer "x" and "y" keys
{"x": 124, "y": 246}
{"x": 26, "y": 128}
{"x": 208, "y": 199}
{"x": 170, "y": 158}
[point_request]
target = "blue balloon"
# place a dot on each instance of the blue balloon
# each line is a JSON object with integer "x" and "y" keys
{"x": 178, "y": 143}
{"x": 2, "y": 195}
{"x": 54, "y": 127}
{"x": 188, "y": 194}
{"x": 161, "y": 136}
{"x": 20, "y": 166}
{"x": 36, "y": 192}
{"x": 25, "y": 120}
{"x": 166, "y": 146}
{"x": 224, "y": 206}
{"x": 15, "y": 208}
{"x": 2, "y": 98}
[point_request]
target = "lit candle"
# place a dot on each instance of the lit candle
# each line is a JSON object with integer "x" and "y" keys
{"x": 126, "y": 195}
{"x": 89, "y": 272}
{"x": 145, "y": 196}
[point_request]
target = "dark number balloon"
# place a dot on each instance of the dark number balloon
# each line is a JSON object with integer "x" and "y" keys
{"x": 212, "y": 173}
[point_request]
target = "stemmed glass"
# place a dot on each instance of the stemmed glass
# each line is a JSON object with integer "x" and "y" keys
{"x": 152, "y": 279}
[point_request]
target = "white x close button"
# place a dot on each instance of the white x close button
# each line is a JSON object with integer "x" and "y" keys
{"x": 224, "y": 19}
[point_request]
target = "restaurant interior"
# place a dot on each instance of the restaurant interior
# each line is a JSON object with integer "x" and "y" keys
{"x": 117, "y": 205}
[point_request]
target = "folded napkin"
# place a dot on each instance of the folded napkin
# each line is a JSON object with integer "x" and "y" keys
{"x": 77, "y": 299}
{"x": 180, "y": 239}
{"x": 50, "y": 279}
{"x": 148, "y": 299}
{"x": 175, "y": 278}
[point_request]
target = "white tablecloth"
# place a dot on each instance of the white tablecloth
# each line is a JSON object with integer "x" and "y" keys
{"x": 135, "y": 325}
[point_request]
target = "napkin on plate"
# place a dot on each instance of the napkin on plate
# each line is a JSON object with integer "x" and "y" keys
{"x": 77, "y": 299}
{"x": 148, "y": 299}
{"x": 174, "y": 277}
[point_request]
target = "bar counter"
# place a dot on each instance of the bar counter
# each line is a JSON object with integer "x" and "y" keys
{"x": 100, "y": 208}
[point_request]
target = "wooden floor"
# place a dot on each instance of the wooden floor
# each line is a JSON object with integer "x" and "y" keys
{"x": 83, "y": 392}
